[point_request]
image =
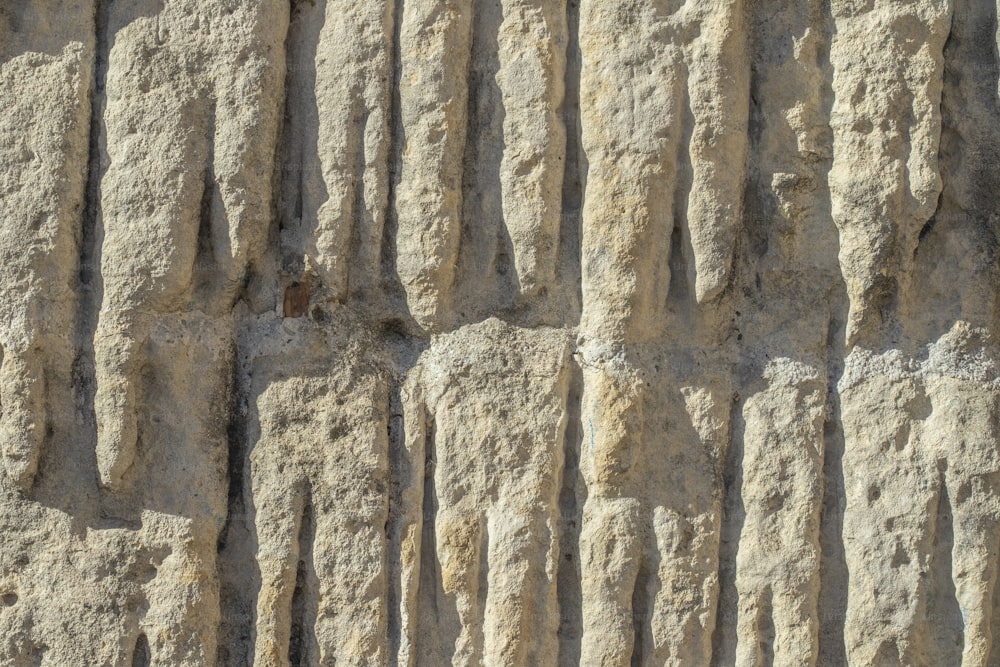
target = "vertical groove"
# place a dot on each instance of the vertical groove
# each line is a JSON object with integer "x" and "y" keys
{"x": 574, "y": 170}
{"x": 943, "y": 614}
{"x": 359, "y": 210}
{"x": 568, "y": 584}
{"x": 724, "y": 636}
{"x": 235, "y": 556}
{"x": 391, "y": 286}
{"x": 964, "y": 217}
{"x": 290, "y": 160}
{"x": 432, "y": 647}
{"x": 680, "y": 257}
{"x": 301, "y": 640}
{"x": 641, "y": 616}
{"x": 486, "y": 253}
{"x": 236, "y": 561}
{"x": 834, "y": 575}
{"x": 89, "y": 253}
{"x": 766, "y": 629}
{"x": 205, "y": 256}
{"x": 407, "y": 457}
{"x": 90, "y": 296}
{"x": 397, "y": 464}
{"x": 140, "y": 654}
{"x": 679, "y": 293}
{"x": 833, "y": 559}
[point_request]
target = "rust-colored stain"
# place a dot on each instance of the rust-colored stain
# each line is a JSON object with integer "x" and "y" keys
{"x": 296, "y": 300}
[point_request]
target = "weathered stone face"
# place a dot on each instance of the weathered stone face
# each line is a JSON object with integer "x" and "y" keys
{"x": 514, "y": 332}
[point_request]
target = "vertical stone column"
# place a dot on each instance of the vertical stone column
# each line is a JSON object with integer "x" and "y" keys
{"x": 186, "y": 194}
{"x": 490, "y": 403}
{"x": 785, "y": 318}
{"x": 532, "y": 51}
{"x": 435, "y": 45}
{"x": 888, "y": 70}
{"x": 661, "y": 149}
{"x": 336, "y": 176}
{"x": 318, "y": 488}
{"x": 47, "y": 76}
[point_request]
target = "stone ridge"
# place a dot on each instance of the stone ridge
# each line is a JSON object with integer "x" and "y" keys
{"x": 514, "y": 332}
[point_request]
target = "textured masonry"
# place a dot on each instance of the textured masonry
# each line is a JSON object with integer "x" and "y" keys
{"x": 500, "y": 332}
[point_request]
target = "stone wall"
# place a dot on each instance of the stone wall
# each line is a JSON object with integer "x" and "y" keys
{"x": 502, "y": 332}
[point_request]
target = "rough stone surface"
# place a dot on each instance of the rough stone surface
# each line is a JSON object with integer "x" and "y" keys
{"x": 512, "y": 332}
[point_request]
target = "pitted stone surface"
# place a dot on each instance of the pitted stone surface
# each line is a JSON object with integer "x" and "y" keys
{"x": 516, "y": 332}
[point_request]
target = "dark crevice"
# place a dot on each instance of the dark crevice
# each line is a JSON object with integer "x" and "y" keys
{"x": 680, "y": 292}
{"x": 759, "y": 206}
{"x": 236, "y": 437}
{"x": 765, "y": 630}
{"x": 301, "y": 637}
{"x": 928, "y": 227}
{"x": 887, "y": 654}
{"x": 574, "y": 168}
{"x": 297, "y": 203}
{"x": 944, "y": 614}
{"x": 731, "y": 532}
{"x": 391, "y": 286}
{"x": 833, "y": 573}
{"x": 430, "y": 576}
{"x": 90, "y": 284}
{"x": 289, "y": 166}
{"x": 429, "y": 588}
{"x": 568, "y": 579}
{"x": 89, "y": 251}
{"x": 140, "y": 654}
{"x": 205, "y": 258}
{"x": 641, "y": 616}
{"x": 37, "y": 654}
{"x": 882, "y": 299}
{"x": 963, "y": 231}
{"x": 288, "y": 179}
{"x": 437, "y": 616}
{"x": 299, "y": 135}
{"x": 235, "y": 553}
{"x": 236, "y": 562}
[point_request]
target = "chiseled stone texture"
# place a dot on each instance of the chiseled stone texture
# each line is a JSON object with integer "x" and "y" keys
{"x": 592, "y": 333}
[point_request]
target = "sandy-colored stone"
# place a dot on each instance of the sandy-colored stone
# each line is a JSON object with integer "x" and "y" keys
{"x": 483, "y": 528}
{"x": 520, "y": 332}
{"x": 46, "y": 72}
